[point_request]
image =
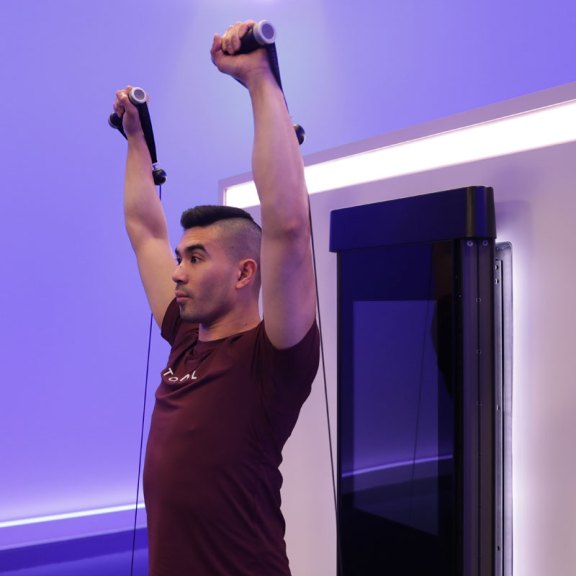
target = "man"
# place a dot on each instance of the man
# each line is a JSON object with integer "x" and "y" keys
{"x": 234, "y": 384}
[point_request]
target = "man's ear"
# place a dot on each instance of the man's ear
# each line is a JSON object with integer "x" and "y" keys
{"x": 246, "y": 272}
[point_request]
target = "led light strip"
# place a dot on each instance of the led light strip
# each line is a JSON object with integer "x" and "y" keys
{"x": 538, "y": 128}
{"x": 69, "y": 515}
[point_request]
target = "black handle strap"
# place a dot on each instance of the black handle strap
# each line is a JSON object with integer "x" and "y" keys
{"x": 263, "y": 35}
{"x": 139, "y": 99}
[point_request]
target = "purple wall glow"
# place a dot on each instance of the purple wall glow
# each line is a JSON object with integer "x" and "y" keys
{"x": 73, "y": 319}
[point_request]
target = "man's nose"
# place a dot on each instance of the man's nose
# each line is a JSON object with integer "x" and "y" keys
{"x": 178, "y": 275}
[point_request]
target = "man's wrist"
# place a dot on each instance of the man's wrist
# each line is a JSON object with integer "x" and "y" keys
{"x": 261, "y": 79}
{"x": 136, "y": 138}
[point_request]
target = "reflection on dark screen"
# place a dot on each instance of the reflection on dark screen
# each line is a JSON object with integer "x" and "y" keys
{"x": 393, "y": 465}
{"x": 396, "y": 442}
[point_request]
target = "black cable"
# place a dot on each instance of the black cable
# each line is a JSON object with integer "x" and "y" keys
{"x": 275, "y": 68}
{"x": 141, "y": 445}
{"x": 325, "y": 379}
{"x": 147, "y": 372}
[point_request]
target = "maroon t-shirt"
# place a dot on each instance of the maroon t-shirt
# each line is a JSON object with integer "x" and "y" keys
{"x": 223, "y": 411}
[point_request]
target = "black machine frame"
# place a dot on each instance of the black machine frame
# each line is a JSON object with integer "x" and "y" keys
{"x": 442, "y": 238}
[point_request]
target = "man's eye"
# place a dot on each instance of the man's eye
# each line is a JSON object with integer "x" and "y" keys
{"x": 194, "y": 259}
{"x": 178, "y": 260}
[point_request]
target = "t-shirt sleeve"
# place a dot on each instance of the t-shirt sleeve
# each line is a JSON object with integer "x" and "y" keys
{"x": 171, "y": 322}
{"x": 291, "y": 371}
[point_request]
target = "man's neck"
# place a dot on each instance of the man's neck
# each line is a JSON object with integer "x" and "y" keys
{"x": 227, "y": 327}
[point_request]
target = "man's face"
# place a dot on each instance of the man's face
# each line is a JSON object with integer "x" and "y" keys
{"x": 205, "y": 276}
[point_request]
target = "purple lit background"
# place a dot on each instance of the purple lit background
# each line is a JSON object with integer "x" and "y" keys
{"x": 73, "y": 318}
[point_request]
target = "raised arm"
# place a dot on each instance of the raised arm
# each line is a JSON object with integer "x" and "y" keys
{"x": 143, "y": 213}
{"x": 288, "y": 290}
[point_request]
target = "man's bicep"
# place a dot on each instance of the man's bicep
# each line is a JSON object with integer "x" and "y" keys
{"x": 156, "y": 264}
{"x": 288, "y": 291}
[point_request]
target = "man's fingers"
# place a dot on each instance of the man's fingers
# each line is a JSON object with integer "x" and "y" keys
{"x": 227, "y": 41}
{"x": 118, "y": 105}
{"x": 216, "y": 47}
{"x": 124, "y": 99}
{"x": 232, "y": 38}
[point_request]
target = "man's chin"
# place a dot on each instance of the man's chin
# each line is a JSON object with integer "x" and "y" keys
{"x": 186, "y": 315}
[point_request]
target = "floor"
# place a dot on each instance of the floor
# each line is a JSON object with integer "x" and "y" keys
{"x": 119, "y": 564}
{"x": 110, "y": 554}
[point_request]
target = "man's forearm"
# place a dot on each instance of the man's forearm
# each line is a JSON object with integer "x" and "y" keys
{"x": 277, "y": 164}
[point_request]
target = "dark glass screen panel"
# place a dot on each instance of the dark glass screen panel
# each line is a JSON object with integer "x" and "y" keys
{"x": 396, "y": 436}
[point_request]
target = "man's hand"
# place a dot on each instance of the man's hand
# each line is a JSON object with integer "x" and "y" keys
{"x": 243, "y": 67}
{"x": 128, "y": 112}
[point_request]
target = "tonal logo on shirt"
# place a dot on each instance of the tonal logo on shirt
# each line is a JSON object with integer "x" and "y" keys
{"x": 171, "y": 377}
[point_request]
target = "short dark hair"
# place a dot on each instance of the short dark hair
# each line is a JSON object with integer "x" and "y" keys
{"x": 202, "y": 216}
{"x": 239, "y": 232}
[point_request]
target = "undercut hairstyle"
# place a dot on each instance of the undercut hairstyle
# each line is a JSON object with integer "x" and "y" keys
{"x": 206, "y": 215}
{"x": 240, "y": 233}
